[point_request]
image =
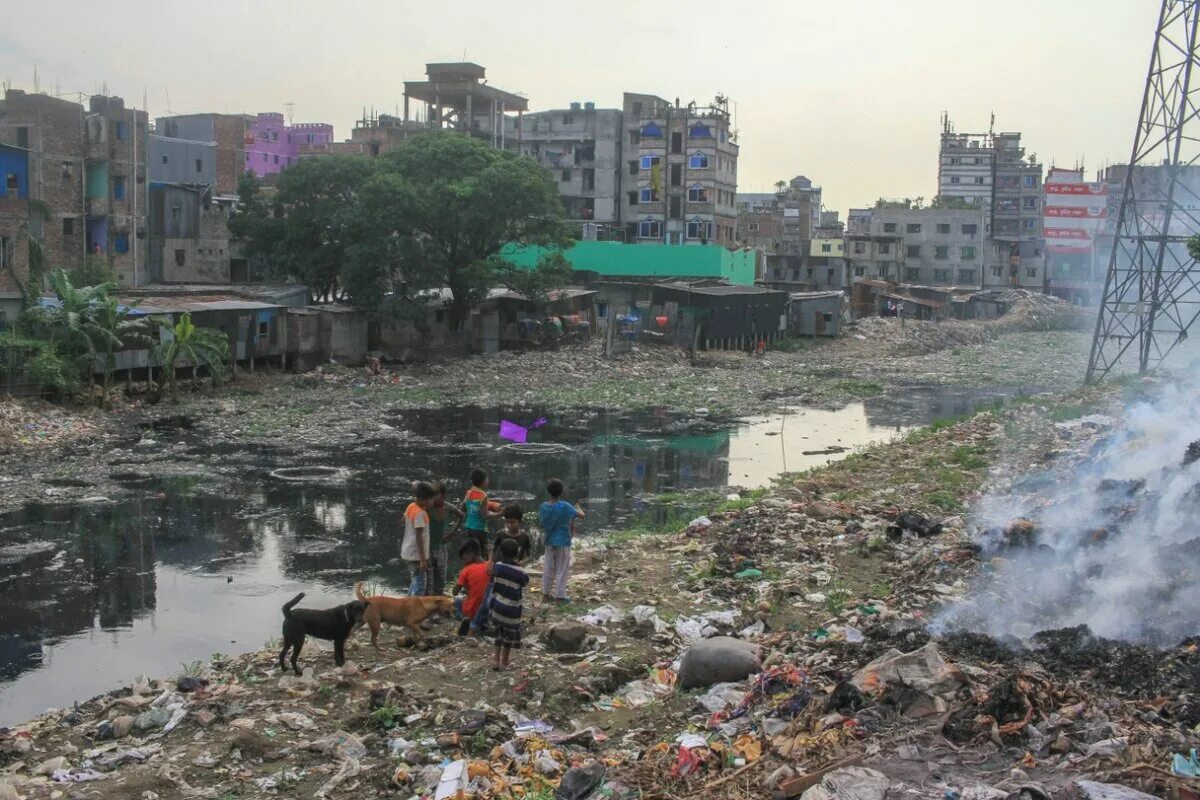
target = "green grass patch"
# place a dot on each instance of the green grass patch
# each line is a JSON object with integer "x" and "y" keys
{"x": 857, "y": 388}
{"x": 746, "y": 499}
{"x": 969, "y": 457}
{"x": 943, "y": 499}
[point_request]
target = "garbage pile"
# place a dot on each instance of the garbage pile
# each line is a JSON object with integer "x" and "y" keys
{"x": 35, "y": 424}
{"x": 1027, "y": 311}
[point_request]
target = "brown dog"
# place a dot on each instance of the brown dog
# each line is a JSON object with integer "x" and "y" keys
{"x": 407, "y": 611}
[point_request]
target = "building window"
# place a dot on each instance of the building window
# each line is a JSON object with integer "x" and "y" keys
{"x": 200, "y": 164}
{"x": 954, "y": 160}
{"x": 970, "y": 230}
{"x": 677, "y": 174}
{"x": 941, "y": 253}
{"x": 264, "y": 328}
{"x": 697, "y": 194}
{"x": 1031, "y": 272}
{"x": 699, "y": 229}
{"x": 860, "y": 272}
{"x": 651, "y": 131}
{"x": 913, "y": 227}
{"x": 23, "y": 137}
{"x": 68, "y": 226}
{"x": 943, "y": 228}
{"x": 1030, "y": 181}
{"x": 912, "y": 275}
{"x": 633, "y": 167}
{"x": 1029, "y": 203}
{"x": 121, "y": 243}
{"x": 941, "y": 276}
{"x": 997, "y": 272}
{"x": 565, "y": 176}
{"x": 649, "y": 194}
{"x": 913, "y": 251}
{"x": 66, "y": 170}
{"x": 675, "y": 207}
{"x": 633, "y": 198}
{"x": 568, "y": 119}
{"x": 180, "y": 257}
{"x": 968, "y": 253}
{"x": 885, "y": 248}
{"x": 698, "y": 161}
{"x": 118, "y": 188}
{"x": 966, "y": 276}
{"x": 121, "y": 131}
{"x": 860, "y": 248}
{"x": 650, "y": 229}
{"x": 979, "y": 179}
{"x": 826, "y": 248}
{"x": 165, "y": 160}
{"x": 276, "y": 159}
{"x": 1028, "y": 224}
{"x": 12, "y": 184}
{"x": 264, "y": 156}
{"x": 635, "y": 137}
{"x": 753, "y": 227}
{"x": 954, "y": 179}
{"x": 889, "y": 227}
{"x": 677, "y": 142}
{"x": 650, "y": 162}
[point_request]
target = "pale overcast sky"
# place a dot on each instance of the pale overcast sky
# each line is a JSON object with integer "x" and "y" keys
{"x": 848, "y": 93}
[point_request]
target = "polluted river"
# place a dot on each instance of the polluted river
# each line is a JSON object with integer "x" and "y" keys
{"x": 176, "y": 566}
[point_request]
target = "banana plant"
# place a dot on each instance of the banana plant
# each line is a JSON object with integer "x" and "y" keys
{"x": 183, "y": 341}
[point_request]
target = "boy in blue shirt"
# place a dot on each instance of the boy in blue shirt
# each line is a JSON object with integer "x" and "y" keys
{"x": 558, "y": 520}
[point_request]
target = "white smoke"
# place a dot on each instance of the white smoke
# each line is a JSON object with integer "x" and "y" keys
{"x": 1117, "y": 541}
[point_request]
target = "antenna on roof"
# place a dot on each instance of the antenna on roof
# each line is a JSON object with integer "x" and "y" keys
{"x": 291, "y": 108}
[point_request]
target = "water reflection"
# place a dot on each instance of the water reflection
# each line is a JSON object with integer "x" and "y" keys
{"x": 188, "y": 567}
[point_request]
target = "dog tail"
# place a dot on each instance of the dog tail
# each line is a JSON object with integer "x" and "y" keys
{"x": 287, "y": 607}
{"x": 358, "y": 592}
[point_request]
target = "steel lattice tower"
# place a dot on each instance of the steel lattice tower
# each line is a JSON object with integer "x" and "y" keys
{"x": 1152, "y": 290}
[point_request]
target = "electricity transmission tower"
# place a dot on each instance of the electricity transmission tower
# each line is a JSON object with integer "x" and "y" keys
{"x": 1152, "y": 290}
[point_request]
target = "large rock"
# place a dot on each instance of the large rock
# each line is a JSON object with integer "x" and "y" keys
{"x": 721, "y": 659}
{"x": 566, "y": 637}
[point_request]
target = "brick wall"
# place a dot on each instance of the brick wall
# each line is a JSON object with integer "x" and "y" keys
{"x": 14, "y": 239}
{"x": 230, "y": 132}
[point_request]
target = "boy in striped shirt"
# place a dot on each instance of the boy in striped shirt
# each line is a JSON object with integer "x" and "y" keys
{"x": 508, "y": 582}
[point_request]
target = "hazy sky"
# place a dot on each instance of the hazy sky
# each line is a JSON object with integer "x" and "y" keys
{"x": 848, "y": 93}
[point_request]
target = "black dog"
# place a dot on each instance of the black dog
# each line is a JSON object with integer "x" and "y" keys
{"x": 331, "y": 623}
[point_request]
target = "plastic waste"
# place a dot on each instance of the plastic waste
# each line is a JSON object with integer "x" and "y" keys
{"x": 850, "y": 783}
{"x": 700, "y": 523}
{"x": 297, "y": 722}
{"x": 1187, "y": 766}
{"x": 51, "y": 765}
{"x": 720, "y": 697}
{"x": 852, "y": 634}
{"x": 648, "y": 615}
{"x": 452, "y": 781}
{"x": 601, "y": 616}
{"x": 154, "y": 718}
{"x": 529, "y": 727}
{"x": 579, "y": 782}
{"x": 339, "y": 744}
{"x": 750, "y": 574}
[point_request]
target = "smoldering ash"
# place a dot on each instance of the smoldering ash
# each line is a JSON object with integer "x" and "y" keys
{"x": 1112, "y": 542}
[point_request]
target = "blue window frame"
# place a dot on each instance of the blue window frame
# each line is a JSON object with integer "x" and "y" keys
{"x": 121, "y": 131}
{"x": 121, "y": 243}
{"x": 697, "y": 194}
{"x": 650, "y": 162}
{"x": 698, "y": 161}
{"x": 648, "y": 194}
{"x": 649, "y": 229}
{"x": 700, "y": 132}
{"x": 650, "y": 129}
{"x": 699, "y": 229}
{"x": 118, "y": 188}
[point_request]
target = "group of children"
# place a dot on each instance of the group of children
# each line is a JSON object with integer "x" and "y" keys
{"x": 491, "y": 585}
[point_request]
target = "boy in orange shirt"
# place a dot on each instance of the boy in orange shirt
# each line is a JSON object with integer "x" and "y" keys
{"x": 474, "y": 580}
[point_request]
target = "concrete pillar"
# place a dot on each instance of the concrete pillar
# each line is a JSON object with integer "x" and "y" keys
{"x": 466, "y": 124}
{"x": 406, "y": 107}
{"x": 503, "y": 131}
{"x": 520, "y": 129}
{"x": 493, "y": 123}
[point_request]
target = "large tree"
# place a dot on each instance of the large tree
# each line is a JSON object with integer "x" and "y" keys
{"x": 441, "y": 209}
{"x": 303, "y": 230}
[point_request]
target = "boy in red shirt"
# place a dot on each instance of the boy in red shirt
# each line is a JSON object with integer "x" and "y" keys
{"x": 474, "y": 580}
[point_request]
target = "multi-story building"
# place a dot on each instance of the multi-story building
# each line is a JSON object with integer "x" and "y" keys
{"x": 1074, "y": 211}
{"x": 785, "y": 229}
{"x": 581, "y": 147}
{"x": 928, "y": 246}
{"x": 83, "y": 191}
{"x": 272, "y": 145}
{"x": 227, "y": 132}
{"x": 685, "y": 158}
{"x": 1017, "y": 215}
{"x": 965, "y": 166}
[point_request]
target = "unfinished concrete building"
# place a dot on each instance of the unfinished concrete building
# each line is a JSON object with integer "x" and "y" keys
{"x": 581, "y": 148}
{"x": 457, "y": 96}
{"x": 686, "y": 162}
{"x": 227, "y": 132}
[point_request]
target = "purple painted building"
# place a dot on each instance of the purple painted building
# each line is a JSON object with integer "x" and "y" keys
{"x": 272, "y": 145}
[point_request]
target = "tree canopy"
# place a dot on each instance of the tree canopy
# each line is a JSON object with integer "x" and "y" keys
{"x": 433, "y": 213}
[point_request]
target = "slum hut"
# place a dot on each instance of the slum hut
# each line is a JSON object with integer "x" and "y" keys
{"x": 723, "y": 317}
{"x": 343, "y": 333}
{"x": 304, "y": 346}
{"x": 816, "y": 313}
{"x": 567, "y": 314}
{"x": 256, "y": 331}
{"x": 909, "y": 306}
